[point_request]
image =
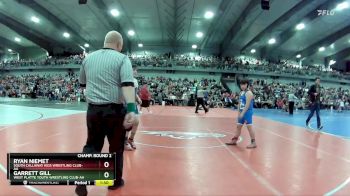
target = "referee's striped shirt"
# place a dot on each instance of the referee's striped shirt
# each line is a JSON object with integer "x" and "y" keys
{"x": 103, "y": 72}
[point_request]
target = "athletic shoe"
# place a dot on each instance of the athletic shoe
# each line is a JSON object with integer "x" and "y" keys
{"x": 252, "y": 145}
{"x": 307, "y": 124}
{"x": 132, "y": 144}
{"x": 128, "y": 147}
{"x": 117, "y": 185}
{"x": 233, "y": 141}
{"x": 81, "y": 190}
{"x": 320, "y": 127}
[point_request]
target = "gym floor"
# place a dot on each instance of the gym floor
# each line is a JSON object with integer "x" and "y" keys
{"x": 183, "y": 153}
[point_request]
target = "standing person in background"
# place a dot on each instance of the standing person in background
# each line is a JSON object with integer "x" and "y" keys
{"x": 315, "y": 99}
{"x": 130, "y": 133}
{"x": 35, "y": 90}
{"x": 291, "y": 101}
{"x": 145, "y": 96}
{"x": 108, "y": 77}
{"x": 341, "y": 106}
{"x": 200, "y": 99}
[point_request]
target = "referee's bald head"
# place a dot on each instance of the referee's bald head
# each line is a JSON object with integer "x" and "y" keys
{"x": 114, "y": 40}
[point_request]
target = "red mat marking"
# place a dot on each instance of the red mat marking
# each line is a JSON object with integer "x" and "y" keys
{"x": 288, "y": 160}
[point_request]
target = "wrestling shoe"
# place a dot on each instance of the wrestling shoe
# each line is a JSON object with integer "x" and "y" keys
{"x": 233, "y": 141}
{"x": 128, "y": 147}
{"x": 132, "y": 144}
{"x": 252, "y": 145}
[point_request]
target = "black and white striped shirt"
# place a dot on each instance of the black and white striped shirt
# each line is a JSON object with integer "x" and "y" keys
{"x": 103, "y": 72}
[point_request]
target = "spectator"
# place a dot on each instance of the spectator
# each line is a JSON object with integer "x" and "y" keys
{"x": 145, "y": 97}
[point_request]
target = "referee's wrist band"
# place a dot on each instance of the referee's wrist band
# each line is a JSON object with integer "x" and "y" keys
{"x": 131, "y": 107}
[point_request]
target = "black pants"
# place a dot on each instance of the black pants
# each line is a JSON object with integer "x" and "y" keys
{"x": 291, "y": 107}
{"x": 106, "y": 120}
{"x": 315, "y": 107}
{"x": 200, "y": 101}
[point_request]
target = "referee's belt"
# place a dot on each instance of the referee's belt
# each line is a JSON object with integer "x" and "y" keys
{"x": 110, "y": 105}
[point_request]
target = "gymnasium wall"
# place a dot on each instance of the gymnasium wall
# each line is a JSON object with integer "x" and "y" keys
{"x": 34, "y": 53}
{"x": 8, "y": 57}
{"x": 182, "y": 49}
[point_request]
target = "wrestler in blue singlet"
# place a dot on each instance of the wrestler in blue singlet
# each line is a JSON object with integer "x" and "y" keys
{"x": 248, "y": 116}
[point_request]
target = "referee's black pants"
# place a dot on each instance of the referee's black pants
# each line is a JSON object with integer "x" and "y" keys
{"x": 200, "y": 101}
{"x": 106, "y": 120}
{"x": 291, "y": 107}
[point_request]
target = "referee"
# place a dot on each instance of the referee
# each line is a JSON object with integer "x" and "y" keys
{"x": 108, "y": 77}
{"x": 200, "y": 99}
{"x": 291, "y": 99}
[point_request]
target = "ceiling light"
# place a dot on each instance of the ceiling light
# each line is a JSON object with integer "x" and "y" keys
{"x": 252, "y": 51}
{"x": 17, "y": 39}
{"x": 342, "y": 6}
{"x": 272, "y": 41}
{"x": 131, "y": 32}
{"x": 66, "y": 35}
{"x": 194, "y": 46}
{"x": 300, "y": 26}
{"x": 199, "y": 34}
{"x": 114, "y": 12}
{"x": 332, "y": 46}
{"x": 140, "y": 45}
{"x": 298, "y": 56}
{"x": 10, "y": 50}
{"x": 208, "y": 15}
{"x": 86, "y": 45}
{"x": 321, "y": 49}
{"x": 35, "y": 19}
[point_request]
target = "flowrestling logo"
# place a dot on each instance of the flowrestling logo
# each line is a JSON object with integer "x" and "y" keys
{"x": 183, "y": 135}
{"x": 325, "y": 12}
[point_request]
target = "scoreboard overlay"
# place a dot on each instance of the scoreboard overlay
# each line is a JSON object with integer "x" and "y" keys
{"x": 61, "y": 169}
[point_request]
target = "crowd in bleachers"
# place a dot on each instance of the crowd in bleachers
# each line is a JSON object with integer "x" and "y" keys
{"x": 66, "y": 88}
{"x": 52, "y": 87}
{"x": 182, "y": 91}
{"x": 179, "y": 91}
{"x": 49, "y": 61}
{"x": 275, "y": 95}
{"x": 240, "y": 63}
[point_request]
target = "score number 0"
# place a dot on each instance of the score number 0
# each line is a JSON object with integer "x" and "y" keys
{"x": 106, "y": 174}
